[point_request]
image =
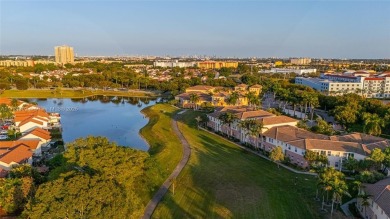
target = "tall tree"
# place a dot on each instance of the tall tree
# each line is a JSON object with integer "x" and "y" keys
{"x": 194, "y": 98}
{"x": 227, "y": 119}
{"x": 373, "y": 124}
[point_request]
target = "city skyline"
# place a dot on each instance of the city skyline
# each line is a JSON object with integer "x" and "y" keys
{"x": 316, "y": 29}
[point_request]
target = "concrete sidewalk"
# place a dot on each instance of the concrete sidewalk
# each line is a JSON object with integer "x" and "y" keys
{"x": 151, "y": 206}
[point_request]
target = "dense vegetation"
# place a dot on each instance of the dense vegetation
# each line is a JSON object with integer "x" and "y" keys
{"x": 95, "y": 178}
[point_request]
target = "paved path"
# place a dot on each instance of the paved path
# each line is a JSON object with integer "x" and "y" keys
{"x": 345, "y": 208}
{"x": 168, "y": 182}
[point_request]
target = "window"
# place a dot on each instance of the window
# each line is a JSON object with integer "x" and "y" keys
{"x": 296, "y": 150}
{"x": 329, "y": 153}
{"x": 336, "y": 164}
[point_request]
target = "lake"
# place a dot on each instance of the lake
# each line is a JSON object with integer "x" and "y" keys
{"x": 117, "y": 118}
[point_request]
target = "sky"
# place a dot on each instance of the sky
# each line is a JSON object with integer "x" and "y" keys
{"x": 222, "y": 28}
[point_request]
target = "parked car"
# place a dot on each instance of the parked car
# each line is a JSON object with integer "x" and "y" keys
{"x": 3, "y": 137}
{"x": 3, "y": 132}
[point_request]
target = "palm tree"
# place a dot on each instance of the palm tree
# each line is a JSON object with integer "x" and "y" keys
{"x": 227, "y": 119}
{"x": 243, "y": 124}
{"x": 256, "y": 127}
{"x": 253, "y": 99}
{"x": 194, "y": 98}
{"x": 373, "y": 124}
{"x": 365, "y": 202}
{"x": 233, "y": 98}
{"x": 313, "y": 102}
{"x": 14, "y": 103}
{"x": 340, "y": 188}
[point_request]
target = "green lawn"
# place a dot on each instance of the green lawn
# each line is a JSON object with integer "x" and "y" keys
{"x": 69, "y": 93}
{"x": 223, "y": 181}
{"x": 165, "y": 148}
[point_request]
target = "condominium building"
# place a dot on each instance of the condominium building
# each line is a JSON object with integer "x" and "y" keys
{"x": 281, "y": 131}
{"x": 378, "y": 200}
{"x": 217, "y": 65}
{"x": 300, "y": 61}
{"x": 172, "y": 64}
{"x": 336, "y": 84}
{"x": 21, "y": 63}
{"x": 292, "y": 70}
{"x": 64, "y": 54}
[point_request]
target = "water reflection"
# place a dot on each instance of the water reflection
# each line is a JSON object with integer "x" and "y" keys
{"x": 118, "y": 118}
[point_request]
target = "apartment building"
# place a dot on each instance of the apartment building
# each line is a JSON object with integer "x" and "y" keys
{"x": 217, "y": 64}
{"x": 292, "y": 70}
{"x": 64, "y": 54}
{"x": 337, "y": 84}
{"x": 300, "y": 61}
{"x": 216, "y": 96}
{"x": 20, "y": 63}
{"x": 295, "y": 142}
{"x": 379, "y": 200}
{"x": 282, "y": 131}
{"x": 173, "y": 64}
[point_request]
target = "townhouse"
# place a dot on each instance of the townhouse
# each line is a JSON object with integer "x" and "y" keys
{"x": 378, "y": 200}
{"x": 27, "y": 120}
{"x": 282, "y": 131}
{"x": 268, "y": 120}
{"x": 16, "y": 155}
{"x": 295, "y": 142}
{"x": 216, "y": 96}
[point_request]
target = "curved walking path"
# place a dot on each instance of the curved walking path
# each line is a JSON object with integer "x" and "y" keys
{"x": 151, "y": 206}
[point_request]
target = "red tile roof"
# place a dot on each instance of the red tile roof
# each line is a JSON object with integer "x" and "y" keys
{"x": 17, "y": 155}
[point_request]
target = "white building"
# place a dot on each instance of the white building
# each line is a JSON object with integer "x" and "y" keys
{"x": 293, "y": 70}
{"x": 379, "y": 200}
{"x": 335, "y": 84}
{"x": 172, "y": 64}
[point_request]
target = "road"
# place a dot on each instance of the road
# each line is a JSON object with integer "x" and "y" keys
{"x": 151, "y": 206}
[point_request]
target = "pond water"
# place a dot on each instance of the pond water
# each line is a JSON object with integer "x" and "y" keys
{"x": 117, "y": 118}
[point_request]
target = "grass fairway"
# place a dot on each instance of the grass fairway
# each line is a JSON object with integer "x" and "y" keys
{"x": 224, "y": 181}
{"x": 165, "y": 146}
{"x": 70, "y": 93}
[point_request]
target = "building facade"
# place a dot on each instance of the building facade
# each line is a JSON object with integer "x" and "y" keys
{"x": 64, "y": 55}
{"x": 21, "y": 63}
{"x": 217, "y": 64}
{"x": 300, "y": 61}
{"x": 173, "y": 64}
{"x": 335, "y": 84}
{"x": 292, "y": 70}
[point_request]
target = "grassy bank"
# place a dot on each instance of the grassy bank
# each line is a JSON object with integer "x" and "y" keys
{"x": 165, "y": 148}
{"x": 224, "y": 181}
{"x": 71, "y": 93}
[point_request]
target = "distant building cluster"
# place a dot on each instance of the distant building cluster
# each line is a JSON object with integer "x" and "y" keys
{"x": 362, "y": 83}
{"x": 64, "y": 55}
{"x": 300, "y": 61}
{"x": 204, "y": 64}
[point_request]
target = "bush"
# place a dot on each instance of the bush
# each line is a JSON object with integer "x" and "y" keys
{"x": 370, "y": 177}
